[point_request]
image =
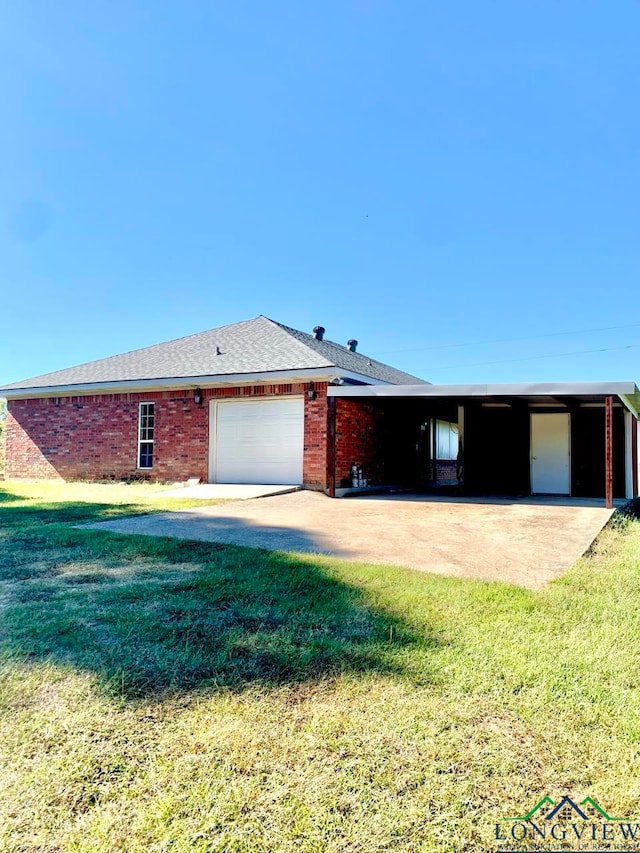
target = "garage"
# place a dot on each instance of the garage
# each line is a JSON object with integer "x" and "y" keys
{"x": 257, "y": 441}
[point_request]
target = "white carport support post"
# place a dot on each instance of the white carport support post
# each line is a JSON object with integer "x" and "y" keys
{"x": 628, "y": 455}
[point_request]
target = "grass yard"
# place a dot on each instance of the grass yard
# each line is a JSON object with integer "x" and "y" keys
{"x": 158, "y": 695}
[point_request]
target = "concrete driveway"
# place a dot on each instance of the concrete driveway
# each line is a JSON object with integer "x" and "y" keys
{"x": 525, "y": 541}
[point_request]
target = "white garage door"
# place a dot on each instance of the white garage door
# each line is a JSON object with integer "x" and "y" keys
{"x": 257, "y": 441}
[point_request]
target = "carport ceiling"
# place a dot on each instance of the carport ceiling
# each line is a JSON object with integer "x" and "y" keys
{"x": 551, "y": 393}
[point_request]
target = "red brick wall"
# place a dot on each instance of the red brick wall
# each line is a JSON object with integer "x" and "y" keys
{"x": 96, "y": 437}
{"x": 315, "y": 439}
{"x": 446, "y": 470}
{"x": 359, "y": 440}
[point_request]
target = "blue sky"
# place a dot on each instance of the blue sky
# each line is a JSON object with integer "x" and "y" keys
{"x": 416, "y": 175}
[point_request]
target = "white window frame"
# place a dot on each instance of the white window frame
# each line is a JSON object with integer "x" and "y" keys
{"x": 146, "y": 441}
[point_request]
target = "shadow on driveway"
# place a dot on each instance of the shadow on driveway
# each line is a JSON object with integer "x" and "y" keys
{"x": 522, "y": 541}
{"x": 150, "y": 615}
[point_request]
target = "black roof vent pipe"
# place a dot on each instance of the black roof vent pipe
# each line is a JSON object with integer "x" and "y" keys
{"x": 352, "y": 343}
{"x": 318, "y": 332}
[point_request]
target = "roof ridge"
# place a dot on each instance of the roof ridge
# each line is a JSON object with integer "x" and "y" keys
{"x": 289, "y": 330}
{"x": 372, "y": 361}
{"x": 293, "y": 332}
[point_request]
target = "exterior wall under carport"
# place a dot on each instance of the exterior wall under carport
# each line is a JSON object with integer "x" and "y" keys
{"x": 497, "y": 449}
{"x": 360, "y": 429}
{"x": 383, "y": 436}
{"x": 588, "y": 458}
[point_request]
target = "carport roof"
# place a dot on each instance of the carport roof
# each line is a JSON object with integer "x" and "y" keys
{"x": 534, "y": 392}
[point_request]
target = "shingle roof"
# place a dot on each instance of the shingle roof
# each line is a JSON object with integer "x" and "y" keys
{"x": 253, "y": 346}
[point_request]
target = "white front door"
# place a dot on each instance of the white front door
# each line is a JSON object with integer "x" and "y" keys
{"x": 257, "y": 441}
{"x": 550, "y": 448}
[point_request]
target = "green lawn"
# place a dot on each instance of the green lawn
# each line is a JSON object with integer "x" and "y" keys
{"x": 168, "y": 696}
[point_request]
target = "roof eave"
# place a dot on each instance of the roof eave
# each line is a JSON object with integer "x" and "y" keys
{"x": 127, "y": 386}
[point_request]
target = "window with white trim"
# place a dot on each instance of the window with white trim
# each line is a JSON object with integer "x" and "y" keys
{"x": 146, "y": 430}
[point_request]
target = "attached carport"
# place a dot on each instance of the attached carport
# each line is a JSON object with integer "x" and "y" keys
{"x": 578, "y": 439}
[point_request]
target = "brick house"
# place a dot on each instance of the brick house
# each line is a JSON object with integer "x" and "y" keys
{"x": 259, "y": 402}
{"x": 241, "y": 403}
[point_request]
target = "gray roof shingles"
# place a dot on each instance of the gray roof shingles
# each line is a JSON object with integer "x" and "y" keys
{"x": 253, "y": 346}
